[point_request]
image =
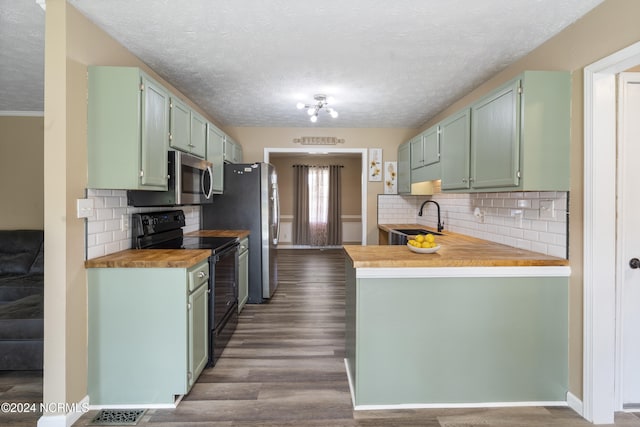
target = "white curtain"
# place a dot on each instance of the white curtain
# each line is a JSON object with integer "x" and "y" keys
{"x": 318, "y": 205}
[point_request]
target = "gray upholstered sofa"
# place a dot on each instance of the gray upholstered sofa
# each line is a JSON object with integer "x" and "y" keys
{"x": 21, "y": 299}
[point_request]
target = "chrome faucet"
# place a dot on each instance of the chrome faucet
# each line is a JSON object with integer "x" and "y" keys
{"x": 440, "y": 224}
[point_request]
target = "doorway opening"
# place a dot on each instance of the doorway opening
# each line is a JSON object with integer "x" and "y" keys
{"x": 600, "y": 344}
{"x": 354, "y": 184}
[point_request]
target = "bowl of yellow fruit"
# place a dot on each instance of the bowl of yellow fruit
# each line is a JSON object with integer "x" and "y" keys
{"x": 423, "y": 244}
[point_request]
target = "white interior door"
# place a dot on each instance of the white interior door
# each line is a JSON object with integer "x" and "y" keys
{"x": 628, "y": 258}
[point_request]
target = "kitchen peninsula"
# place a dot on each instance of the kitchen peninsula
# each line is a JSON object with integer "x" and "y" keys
{"x": 476, "y": 323}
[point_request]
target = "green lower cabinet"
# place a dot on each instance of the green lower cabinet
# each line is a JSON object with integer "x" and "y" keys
{"x": 427, "y": 341}
{"x": 243, "y": 273}
{"x": 147, "y": 334}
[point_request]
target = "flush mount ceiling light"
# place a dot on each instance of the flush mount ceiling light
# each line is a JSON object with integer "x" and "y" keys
{"x": 322, "y": 103}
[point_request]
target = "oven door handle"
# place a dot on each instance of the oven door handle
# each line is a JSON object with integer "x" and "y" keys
{"x": 233, "y": 248}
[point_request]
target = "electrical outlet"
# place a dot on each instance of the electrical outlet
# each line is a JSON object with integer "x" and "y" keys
{"x": 124, "y": 222}
{"x": 547, "y": 209}
{"x": 84, "y": 208}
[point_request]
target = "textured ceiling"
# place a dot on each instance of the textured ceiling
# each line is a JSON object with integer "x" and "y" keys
{"x": 21, "y": 56}
{"x": 247, "y": 62}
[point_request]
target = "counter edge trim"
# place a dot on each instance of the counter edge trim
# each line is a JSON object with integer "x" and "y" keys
{"x": 433, "y": 272}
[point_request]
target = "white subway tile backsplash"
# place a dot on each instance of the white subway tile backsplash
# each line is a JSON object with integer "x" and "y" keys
{"x": 104, "y": 229}
{"x": 509, "y": 218}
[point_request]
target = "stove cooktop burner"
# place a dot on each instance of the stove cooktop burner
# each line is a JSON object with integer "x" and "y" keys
{"x": 163, "y": 230}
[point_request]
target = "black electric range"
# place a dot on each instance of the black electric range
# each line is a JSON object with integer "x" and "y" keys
{"x": 163, "y": 230}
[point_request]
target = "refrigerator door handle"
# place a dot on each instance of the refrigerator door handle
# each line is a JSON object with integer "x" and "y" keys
{"x": 276, "y": 214}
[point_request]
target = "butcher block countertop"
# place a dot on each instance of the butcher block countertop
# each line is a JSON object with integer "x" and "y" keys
{"x": 162, "y": 258}
{"x": 456, "y": 250}
{"x": 150, "y": 258}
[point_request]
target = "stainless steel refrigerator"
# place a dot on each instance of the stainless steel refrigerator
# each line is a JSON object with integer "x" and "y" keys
{"x": 250, "y": 202}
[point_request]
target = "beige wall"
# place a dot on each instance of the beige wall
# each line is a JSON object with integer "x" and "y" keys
{"x": 72, "y": 42}
{"x": 351, "y": 178}
{"x": 608, "y": 28}
{"x": 21, "y": 172}
{"x": 255, "y": 140}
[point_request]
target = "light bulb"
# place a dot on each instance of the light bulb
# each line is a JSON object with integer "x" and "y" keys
{"x": 330, "y": 100}
{"x": 311, "y": 111}
{"x": 300, "y": 105}
{"x": 333, "y": 113}
{"x": 314, "y": 118}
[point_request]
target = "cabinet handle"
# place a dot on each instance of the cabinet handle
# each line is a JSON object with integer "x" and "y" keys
{"x": 170, "y": 137}
{"x": 188, "y": 306}
{"x": 201, "y": 274}
{"x": 464, "y": 180}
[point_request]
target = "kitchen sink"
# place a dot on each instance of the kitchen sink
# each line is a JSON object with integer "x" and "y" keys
{"x": 415, "y": 231}
{"x": 400, "y": 236}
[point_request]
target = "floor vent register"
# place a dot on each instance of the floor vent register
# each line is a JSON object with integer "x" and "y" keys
{"x": 117, "y": 417}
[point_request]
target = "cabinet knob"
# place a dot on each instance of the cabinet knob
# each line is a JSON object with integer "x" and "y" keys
{"x": 201, "y": 274}
{"x": 188, "y": 306}
{"x": 634, "y": 263}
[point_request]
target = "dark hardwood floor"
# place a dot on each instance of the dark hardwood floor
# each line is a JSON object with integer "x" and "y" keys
{"x": 284, "y": 367}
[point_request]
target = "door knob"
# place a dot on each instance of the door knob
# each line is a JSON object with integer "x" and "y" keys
{"x": 634, "y": 263}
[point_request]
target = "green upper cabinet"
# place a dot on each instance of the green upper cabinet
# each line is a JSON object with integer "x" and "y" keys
{"x": 417, "y": 152}
{"x": 238, "y": 155}
{"x": 404, "y": 168}
{"x": 425, "y": 156}
{"x": 127, "y": 130}
{"x": 454, "y": 146}
{"x": 232, "y": 151}
{"x": 495, "y": 138}
{"x": 198, "y": 143}
{"x": 430, "y": 146}
{"x": 519, "y": 138}
{"x": 180, "y": 126}
{"x": 188, "y": 129}
{"x": 215, "y": 154}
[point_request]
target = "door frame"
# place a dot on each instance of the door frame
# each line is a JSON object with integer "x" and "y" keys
{"x": 621, "y": 265}
{"x": 338, "y": 151}
{"x": 599, "y": 272}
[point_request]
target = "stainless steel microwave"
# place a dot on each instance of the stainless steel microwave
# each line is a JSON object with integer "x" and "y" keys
{"x": 190, "y": 183}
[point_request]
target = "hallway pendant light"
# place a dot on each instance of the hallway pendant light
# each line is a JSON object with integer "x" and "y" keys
{"x": 322, "y": 103}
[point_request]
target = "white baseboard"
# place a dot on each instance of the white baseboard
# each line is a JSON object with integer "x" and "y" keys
{"x": 65, "y": 420}
{"x": 574, "y": 403}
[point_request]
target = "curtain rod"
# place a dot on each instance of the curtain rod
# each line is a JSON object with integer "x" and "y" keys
{"x": 316, "y": 166}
